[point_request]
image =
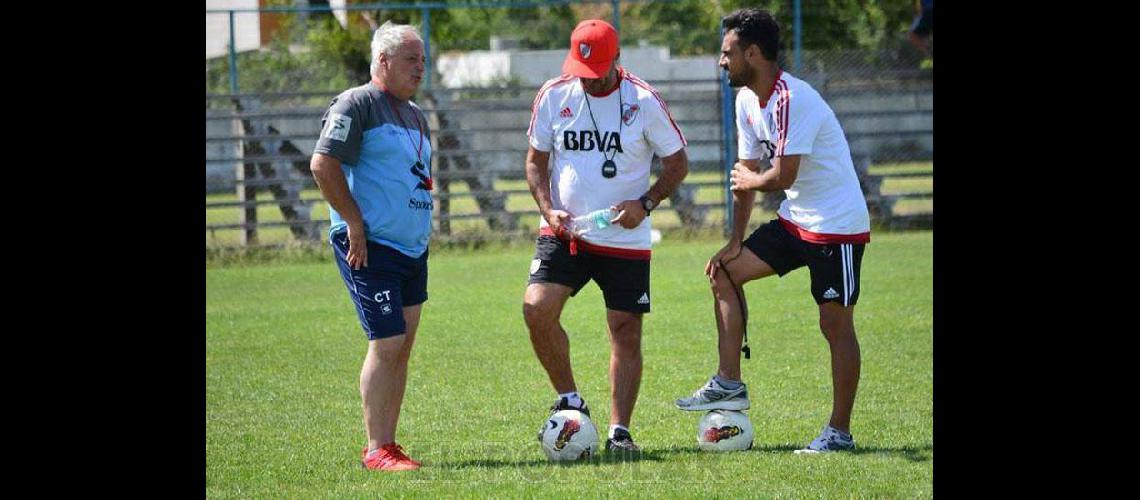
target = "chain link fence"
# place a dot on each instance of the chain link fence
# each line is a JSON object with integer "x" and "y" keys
{"x": 259, "y": 139}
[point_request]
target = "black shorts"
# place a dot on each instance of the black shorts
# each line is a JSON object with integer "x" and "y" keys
{"x": 624, "y": 282}
{"x": 834, "y": 267}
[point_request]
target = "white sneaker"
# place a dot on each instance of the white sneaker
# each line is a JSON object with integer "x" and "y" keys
{"x": 715, "y": 397}
{"x": 829, "y": 440}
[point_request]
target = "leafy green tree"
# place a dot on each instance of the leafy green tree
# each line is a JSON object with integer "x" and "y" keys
{"x": 332, "y": 57}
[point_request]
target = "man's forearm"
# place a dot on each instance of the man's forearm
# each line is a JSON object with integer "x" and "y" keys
{"x": 770, "y": 181}
{"x": 674, "y": 169}
{"x": 538, "y": 179}
{"x": 781, "y": 176}
{"x": 741, "y": 211}
{"x": 334, "y": 188}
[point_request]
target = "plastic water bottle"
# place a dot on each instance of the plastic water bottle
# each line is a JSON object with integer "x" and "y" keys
{"x": 598, "y": 219}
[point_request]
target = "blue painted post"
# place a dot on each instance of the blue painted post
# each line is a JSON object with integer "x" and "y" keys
{"x": 617, "y": 15}
{"x": 799, "y": 41}
{"x": 728, "y": 134}
{"x": 233, "y": 57}
{"x": 427, "y": 43}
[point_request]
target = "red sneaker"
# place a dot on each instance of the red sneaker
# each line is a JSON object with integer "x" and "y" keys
{"x": 389, "y": 457}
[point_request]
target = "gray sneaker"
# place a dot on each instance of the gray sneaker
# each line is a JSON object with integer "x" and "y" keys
{"x": 715, "y": 397}
{"x": 829, "y": 440}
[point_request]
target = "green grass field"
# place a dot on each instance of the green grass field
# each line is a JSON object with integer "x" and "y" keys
{"x": 283, "y": 354}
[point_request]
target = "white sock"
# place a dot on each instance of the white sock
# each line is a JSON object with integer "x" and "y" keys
{"x": 614, "y": 427}
{"x": 573, "y": 398}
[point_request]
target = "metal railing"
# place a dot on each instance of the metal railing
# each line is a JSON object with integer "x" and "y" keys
{"x": 261, "y": 141}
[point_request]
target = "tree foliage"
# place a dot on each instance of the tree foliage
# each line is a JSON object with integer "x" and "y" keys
{"x": 314, "y": 52}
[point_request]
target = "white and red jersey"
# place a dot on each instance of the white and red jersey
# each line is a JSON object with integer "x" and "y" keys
{"x": 632, "y": 124}
{"x": 825, "y": 204}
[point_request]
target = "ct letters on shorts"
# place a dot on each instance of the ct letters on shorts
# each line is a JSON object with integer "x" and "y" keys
{"x": 384, "y": 149}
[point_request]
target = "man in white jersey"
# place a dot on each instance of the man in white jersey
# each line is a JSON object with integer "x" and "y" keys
{"x": 823, "y": 224}
{"x": 593, "y": 134}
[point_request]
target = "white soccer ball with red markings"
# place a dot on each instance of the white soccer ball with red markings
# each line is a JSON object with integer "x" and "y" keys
{"x": 724, "y": 430}
{"x": 568, "y": 435}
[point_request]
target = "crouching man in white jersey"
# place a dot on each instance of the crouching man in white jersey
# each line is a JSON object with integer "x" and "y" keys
{"x": 823, "y": 224}
{"x": 593, "y": 133}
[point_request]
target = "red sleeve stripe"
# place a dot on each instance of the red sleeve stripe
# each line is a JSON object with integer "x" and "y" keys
{"x": 534, "y": 107}
{"x": 782, "y": 116}
{"x": 637, "y": 81}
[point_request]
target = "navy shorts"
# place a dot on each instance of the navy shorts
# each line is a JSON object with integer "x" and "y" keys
{"x": 381, "y": 291}
{"x": 624, "y": 282}
{"x": 834, "y": 267}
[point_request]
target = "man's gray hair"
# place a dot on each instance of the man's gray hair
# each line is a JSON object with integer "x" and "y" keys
{"x": 387, "y": 39}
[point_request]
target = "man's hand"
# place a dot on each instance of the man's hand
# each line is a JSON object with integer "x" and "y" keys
{"x": 744, "y": 178}
{"x": 630, "y": 213}
{"x": 357, "y": 248}
{"x": 729, "y": 252}
{"x": 559, "y": 221}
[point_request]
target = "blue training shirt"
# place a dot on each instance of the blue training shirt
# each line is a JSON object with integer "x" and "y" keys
{"x": 376, "y": 137}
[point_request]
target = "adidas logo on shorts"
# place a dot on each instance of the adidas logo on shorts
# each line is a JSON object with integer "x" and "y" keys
{"x": 830, "y": 294}
{"x": 644, "y": 299}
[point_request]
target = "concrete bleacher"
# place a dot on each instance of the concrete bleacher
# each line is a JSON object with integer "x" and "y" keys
{"x": 886, "y": 121}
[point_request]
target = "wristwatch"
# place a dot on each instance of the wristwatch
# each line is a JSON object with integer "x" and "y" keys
{"x": 647, "y": 203}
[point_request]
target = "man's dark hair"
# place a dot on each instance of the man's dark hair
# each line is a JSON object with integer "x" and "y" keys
{"x": 755, "y": 27}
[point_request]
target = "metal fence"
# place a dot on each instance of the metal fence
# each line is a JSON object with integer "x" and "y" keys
{"x": 258, "y": 144}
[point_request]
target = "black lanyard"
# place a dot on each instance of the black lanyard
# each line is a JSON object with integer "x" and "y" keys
{"x": 395, "y": 109}
{"x": 609, "y": 168}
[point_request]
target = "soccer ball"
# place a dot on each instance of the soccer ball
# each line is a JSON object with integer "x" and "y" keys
{"x": 724, "y": 430}
{"x": 568, "y": 435}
